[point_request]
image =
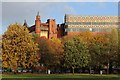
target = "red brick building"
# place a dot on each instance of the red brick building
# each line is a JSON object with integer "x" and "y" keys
{"x": 48, "y": 29}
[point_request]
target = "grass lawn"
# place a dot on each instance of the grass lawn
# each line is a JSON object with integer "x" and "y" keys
{"x": 30, "y": 76}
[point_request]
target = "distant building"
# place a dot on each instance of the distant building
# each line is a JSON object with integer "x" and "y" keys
{"x": 73, "y": 24}
{"x": 48, "y": 29}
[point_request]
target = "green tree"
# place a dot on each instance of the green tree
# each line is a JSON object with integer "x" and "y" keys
{"x": 112, "y": 50}
{"x": 98, "y": 47}
{"x": 18, "y": 48}
{"x": 104, "y": 49}
{"x": 76, "y": 53}
{"x": 89, "y": 39}
{"x": 118, "y": 57}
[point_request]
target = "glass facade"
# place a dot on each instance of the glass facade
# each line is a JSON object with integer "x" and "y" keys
{"x": 87, "y": 29}
{"x": 90, "y": 23}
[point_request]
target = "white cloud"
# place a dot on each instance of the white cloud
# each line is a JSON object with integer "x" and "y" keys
{"x": 68, "y": 9}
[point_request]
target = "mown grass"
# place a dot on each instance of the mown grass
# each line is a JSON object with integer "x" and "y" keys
{"x": 30, "y": 76}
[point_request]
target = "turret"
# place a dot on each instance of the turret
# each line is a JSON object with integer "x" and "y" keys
{"x": 37, "y": 24}
{"x": 25, "y": 24}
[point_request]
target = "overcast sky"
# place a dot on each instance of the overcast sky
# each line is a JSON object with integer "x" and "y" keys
{"x": 13, "y": 12}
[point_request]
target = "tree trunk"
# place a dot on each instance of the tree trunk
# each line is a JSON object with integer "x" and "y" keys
{"x": 108, "y": 68}
{"x": 90, "y": 69}
{"x": 15, "y": 70}
{"x": 99, "y": 69}
{"x": 73, "y": 70}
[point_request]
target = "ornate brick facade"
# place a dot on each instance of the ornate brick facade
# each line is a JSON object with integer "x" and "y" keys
{"x": 48, "y": 29}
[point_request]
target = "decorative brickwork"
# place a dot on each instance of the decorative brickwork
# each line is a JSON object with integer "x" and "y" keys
{"x": 48, "y": 29}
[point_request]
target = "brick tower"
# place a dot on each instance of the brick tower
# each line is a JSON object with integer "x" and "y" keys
{"x": 52, "y": 28}
{"x": 37, "y": 24}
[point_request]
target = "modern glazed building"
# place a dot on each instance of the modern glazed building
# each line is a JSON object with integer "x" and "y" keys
{"x": 73, "y": 24}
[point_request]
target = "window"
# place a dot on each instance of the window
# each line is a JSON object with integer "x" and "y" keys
{"x": 90, "y": 29}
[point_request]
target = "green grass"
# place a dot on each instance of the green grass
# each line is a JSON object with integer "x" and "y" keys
{"x": 30, "y": 76}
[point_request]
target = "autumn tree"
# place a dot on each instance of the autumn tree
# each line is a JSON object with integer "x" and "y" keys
{"x": 76, "y": 53}
{"x": 18, "y": 48}
{"x": 51, "y": 51}
{"x": 58, "y": 50}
